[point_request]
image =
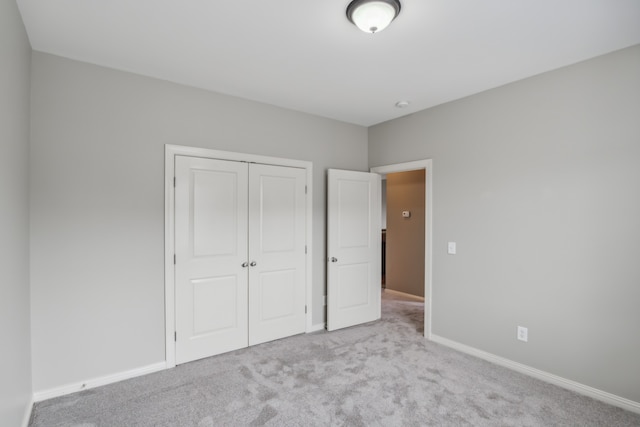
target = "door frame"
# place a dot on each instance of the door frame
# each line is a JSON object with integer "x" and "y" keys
{"x": 427, "y": 166}
{"x": 169, "y": 228}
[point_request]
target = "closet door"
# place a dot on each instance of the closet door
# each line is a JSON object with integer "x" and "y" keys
{"x": 277, "y": 257}
{"x": 211, "y": 252}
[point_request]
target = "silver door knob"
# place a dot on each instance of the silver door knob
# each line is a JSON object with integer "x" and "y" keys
{"x": 245, "y": 264}
{"x": 334, "y": 259}
{"x": 253, "y": 264}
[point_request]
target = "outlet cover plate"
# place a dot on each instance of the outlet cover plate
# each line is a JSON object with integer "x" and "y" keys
{"x": 523, "y": 334}
{"x": 451, "y": 248}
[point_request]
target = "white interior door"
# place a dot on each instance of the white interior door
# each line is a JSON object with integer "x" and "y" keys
{"x": 353, "y": 241}
{"x": 277, "y": 286}
{"x": 211, "y": 246}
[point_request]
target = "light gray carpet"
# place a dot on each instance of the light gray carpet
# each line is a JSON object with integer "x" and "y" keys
{"x": 379, "y": 374}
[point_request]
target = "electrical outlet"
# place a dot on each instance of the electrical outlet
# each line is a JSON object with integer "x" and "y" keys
{"x": 523, "y": 334}
{"x": 451, "y": 248}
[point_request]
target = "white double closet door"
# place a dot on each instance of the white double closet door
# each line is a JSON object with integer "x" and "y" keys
{"x": 240, "y": 255}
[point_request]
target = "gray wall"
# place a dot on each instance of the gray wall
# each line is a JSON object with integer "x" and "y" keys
{"x": 97, "y": 204}
{"x": 15, "y": 368}
{"x": 405, "y": 236}
{"x": 538, "y": 182}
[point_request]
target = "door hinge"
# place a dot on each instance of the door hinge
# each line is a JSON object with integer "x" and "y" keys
{"x": 305, "y": 189}
{"x": 305, "y": 249}
{"x": 175, "y": 336}
{"x": 174, "y": 181}
{"x": 174, "y": 259}
{"x": 305, "y": 309}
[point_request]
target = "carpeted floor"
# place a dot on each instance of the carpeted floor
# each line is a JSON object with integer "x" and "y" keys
{"x": 379, "y": 374}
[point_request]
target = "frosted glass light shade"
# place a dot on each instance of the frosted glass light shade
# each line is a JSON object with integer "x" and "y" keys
{"x": 372, "y": 16}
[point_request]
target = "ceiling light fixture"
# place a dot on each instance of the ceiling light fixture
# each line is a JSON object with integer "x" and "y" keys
{"x": 372, "y": 16}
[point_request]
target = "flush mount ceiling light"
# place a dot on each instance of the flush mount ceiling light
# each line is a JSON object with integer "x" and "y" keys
{"x": 372, "y": 16}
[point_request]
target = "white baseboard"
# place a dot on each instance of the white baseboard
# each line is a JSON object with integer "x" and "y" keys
{"x": 27, "y": 413}
{"x": 316, "y": 328}
{"x": 39, "y": 396}
{"x": 404, "y": 294}
{"x": 586, "y": 390}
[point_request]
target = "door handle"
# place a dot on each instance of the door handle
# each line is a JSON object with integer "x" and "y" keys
{"x": 253, "y": 264}
{"x": 334, "y": 259}
{"x": 245, "y": 264}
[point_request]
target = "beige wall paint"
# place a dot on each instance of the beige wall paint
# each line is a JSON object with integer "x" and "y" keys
{"x": 538, "y": 183}
{"x": 15, "y": 365}
{"x": 97, "y": 221}
{"x": 405, "y": 236}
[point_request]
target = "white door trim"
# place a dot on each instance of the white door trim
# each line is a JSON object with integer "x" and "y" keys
{"x": 169, "y": 226}
{"x": 427, "y": 165}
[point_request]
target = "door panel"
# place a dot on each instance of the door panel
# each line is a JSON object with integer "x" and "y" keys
{"x": 354, "y": 289}
{"x": 277, "y": 294}
{"x": 210, "y": 297}
{"x": 215, "y": 202}
{"x": 353, "y": 217}
{"x": 277, "y": 210}
{"x": 211, "y": 245}
{"x": 277, "y": 291}
{"x": 354, "y": 221}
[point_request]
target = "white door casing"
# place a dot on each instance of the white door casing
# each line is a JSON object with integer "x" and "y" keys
{"x": 427, "y": 165}
{"x": 277, "y": 248}
{"x": 211, "y": 247}
{"x": 353, "y": 248}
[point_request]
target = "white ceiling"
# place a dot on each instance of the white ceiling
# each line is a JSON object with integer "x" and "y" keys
{"x": 305, "y": 55}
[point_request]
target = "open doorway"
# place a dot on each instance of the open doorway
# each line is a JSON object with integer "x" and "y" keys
{"x": 403, "y": 221}
{"x": 403, "y": 203}
{"x": 406, "y": 234}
